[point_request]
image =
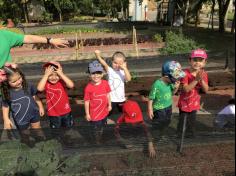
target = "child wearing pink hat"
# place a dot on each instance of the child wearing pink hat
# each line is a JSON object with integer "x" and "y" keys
{"x": 196, "y": 79}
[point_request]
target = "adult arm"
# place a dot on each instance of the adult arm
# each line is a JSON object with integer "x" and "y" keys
{"x": 57, "y": 42}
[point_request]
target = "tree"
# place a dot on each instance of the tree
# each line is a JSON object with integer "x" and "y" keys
{"x": 223, "y": 9}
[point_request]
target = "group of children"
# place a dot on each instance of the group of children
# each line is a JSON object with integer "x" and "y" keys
{"x": 102, "y": 96}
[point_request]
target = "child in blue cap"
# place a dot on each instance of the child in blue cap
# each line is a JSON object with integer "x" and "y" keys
{"x": 160, "y": 97}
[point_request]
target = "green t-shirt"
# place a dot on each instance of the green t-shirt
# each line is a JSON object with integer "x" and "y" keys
{"x": 161, "y": 94}
{"x": 8, "y": 40}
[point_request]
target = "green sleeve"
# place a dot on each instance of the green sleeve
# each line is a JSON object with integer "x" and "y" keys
{"x": 14, "y": 39}
{"x": 153, "y": 92}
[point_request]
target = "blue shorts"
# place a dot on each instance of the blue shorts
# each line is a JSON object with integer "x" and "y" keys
{"x": 162, "y": 117}
{"x": 61, "y": 121}
{"x": 25, "y": 126}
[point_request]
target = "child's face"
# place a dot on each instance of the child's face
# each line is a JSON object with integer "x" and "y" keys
{"x": 96, "y": 77}
{"x": 197, "y": 63}
{"x": 117, "y": 62}
{"x": 53, "y": 78}
{"x": 15, "y": 81}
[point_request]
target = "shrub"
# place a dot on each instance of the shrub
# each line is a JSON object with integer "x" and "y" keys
{"x": 158, "y": 38}
{"x": 177, "y": 43}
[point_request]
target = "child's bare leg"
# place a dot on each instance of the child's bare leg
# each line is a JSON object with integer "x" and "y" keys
{"x": 38, "y": 132}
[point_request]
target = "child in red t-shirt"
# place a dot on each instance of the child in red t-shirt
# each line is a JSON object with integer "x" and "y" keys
{"x": 54, "y": 82}
{"x": 132, "y": 116}
{"x": 196, "y": 79}
{"x": 97, "y": 99}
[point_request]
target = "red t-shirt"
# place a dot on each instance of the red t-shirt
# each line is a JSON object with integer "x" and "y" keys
{"x": 190, "y": 101}
{"x": 98, "y": 100}
{"x": 57, "y": 99}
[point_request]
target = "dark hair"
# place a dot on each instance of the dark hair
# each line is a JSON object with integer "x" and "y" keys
{"x": 5, "y": 87}
{"x": 118, "y": 54}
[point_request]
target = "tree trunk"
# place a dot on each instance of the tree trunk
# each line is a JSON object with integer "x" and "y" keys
{"x": 233, "y": 24}
{"x": 25, "y": 10}
{"x": 186, "y": 12}
{"x": 212, "y": 14}
{"x": 223, "y": 8}
{"x": 60, "y": 16}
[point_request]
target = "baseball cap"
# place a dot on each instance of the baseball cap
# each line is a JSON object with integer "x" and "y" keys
{"x": 173, "y": 70}
{"x": 132, "y": 112}
{"x": 198, "y": 53}
{"x": 54, "y": 64}
{"x": 95, "y": 66}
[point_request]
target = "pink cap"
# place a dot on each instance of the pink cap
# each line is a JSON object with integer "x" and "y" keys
{"x": 199, "y": 53}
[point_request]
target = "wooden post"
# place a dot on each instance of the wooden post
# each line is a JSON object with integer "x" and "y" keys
{"x": 135, "y": 42}
{"x": 76, "y": 47}
{"x": 81, "y": 40}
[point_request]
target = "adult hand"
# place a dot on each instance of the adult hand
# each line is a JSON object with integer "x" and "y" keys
{"x": 58, "y": 42}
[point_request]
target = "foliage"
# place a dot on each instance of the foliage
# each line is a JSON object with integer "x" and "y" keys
{"x": 158, "y": 38}
{"x": 177, "y": 43}
{"x": 67, "y": 30}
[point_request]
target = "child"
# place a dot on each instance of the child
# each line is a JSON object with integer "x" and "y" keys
{"x": 117, "y": 76}
{"x": 132, "y": 115}
{"x": 160, "y": 97}
{"x": 21, "y": 99}
{"x": 54, "y": 82}
{"x": 97, "y": 100}
{"x": 189, "y": 102}
{"x": 226, "y": 117}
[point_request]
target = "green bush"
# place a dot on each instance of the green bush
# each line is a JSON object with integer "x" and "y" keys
{"x": 158, "y": 38}
{"x": 68, "y": 30}
{"x": 177, "y": 43}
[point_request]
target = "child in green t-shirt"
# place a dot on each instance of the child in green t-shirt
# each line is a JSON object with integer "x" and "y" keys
{"x": 160, "y": 97}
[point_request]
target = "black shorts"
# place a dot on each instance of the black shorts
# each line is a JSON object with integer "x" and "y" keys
{"x": 162, "y": 117}
{"x": 61, "y": 121}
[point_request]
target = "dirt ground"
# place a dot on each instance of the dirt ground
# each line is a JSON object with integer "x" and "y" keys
{"x": 206, "y": 160}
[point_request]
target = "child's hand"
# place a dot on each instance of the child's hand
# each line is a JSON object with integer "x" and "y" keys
{"x": 41, "y": 112}
{"x": 97, "y": 52}
{"x": 109, "y": 108}
{"x": 123, "y": 66}
{"x": 59, "y": 70}
{"x": 177, "y": 84}
{"x": 150, "y": 114}
{"x": 199, "y": 75}
{"x": 88, "y": 118}
{"x": 151, "y": 150}
{"x": 8, "y": 124}
{"x": 48, "y": 71}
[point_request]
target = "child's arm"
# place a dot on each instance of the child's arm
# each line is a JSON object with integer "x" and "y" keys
{"x": 109, "y": 102}
{"x": 151, "y": 149}
{"x": 204, "y": 81}
{"x": 7, "y": 122}
{"x": 69, "y": 83}
{"x": 176, "y": 87}
{"x": 126, "y": 70}
{"x": 101, "y": 60}
{"x": 40, "y": 105}
{"x": 192, "y": 85}
{"x": 87, "y": 114}
{"x": 150, "y": 109}
{"x": 43, "y": 81}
